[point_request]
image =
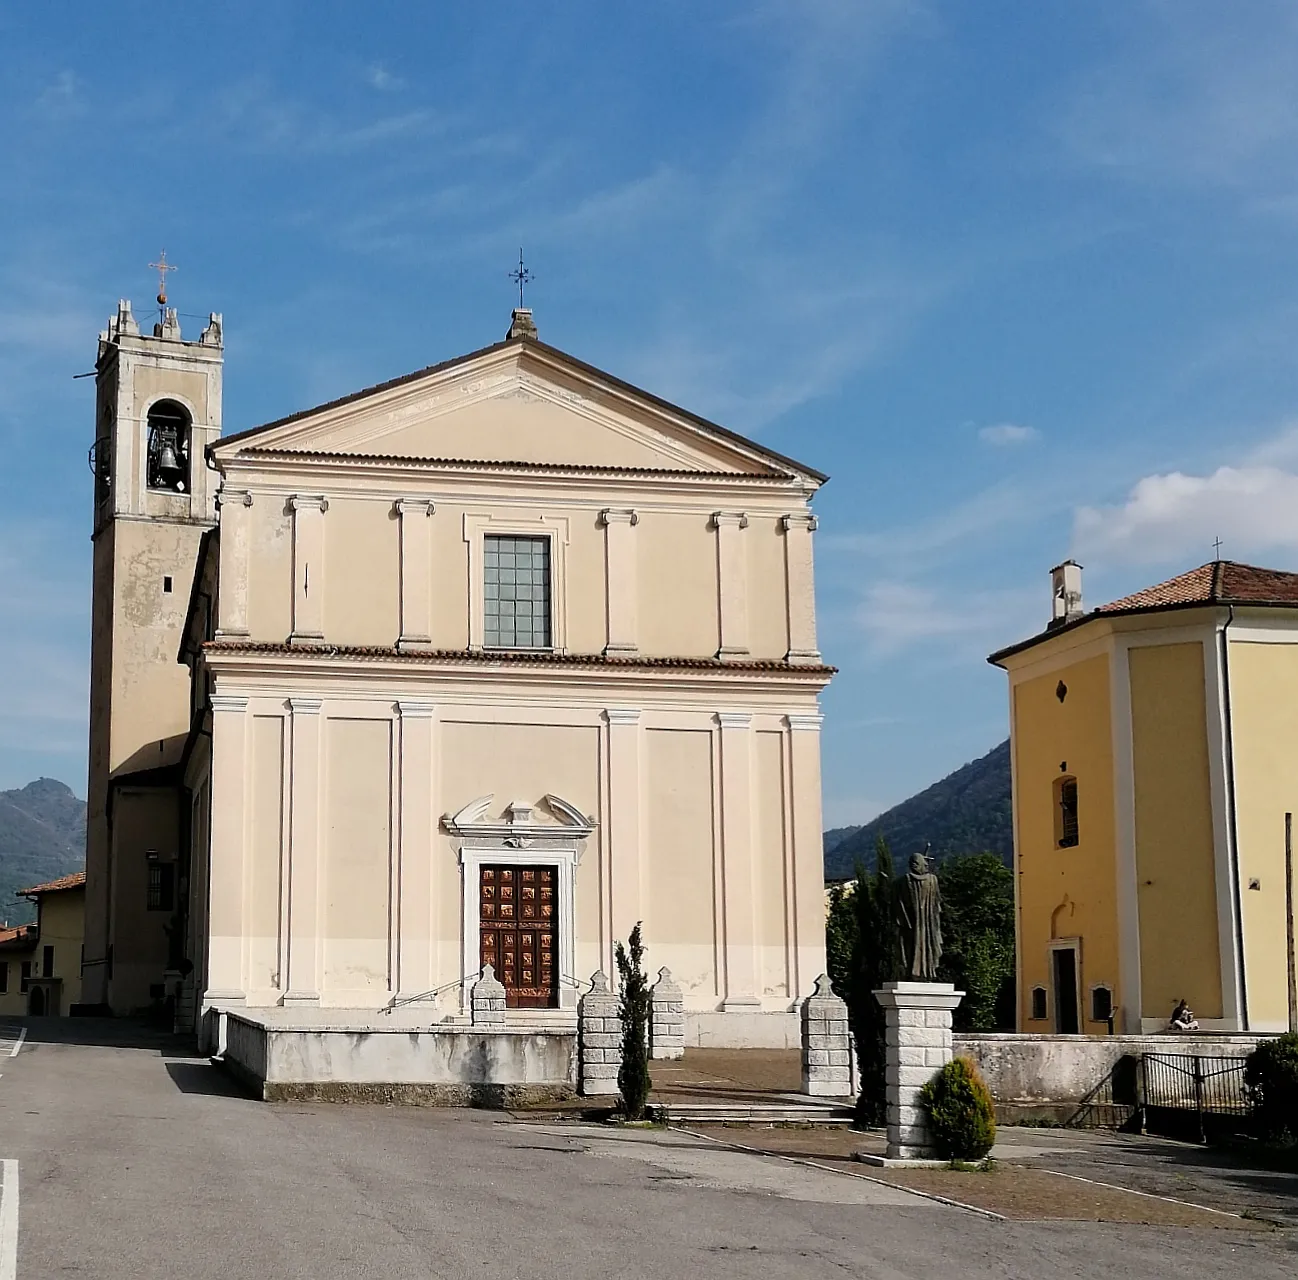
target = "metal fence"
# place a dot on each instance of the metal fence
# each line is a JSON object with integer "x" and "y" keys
{"x": 1180, "y": 1095}
{"x": 1190, "y": 1095}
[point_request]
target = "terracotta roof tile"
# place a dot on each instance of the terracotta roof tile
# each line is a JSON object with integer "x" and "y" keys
{"x": 18, "y": 936}
{"x": 470, "y": 657}
{"x": 1219, "y": 582}
{"x": 76, "y": 880}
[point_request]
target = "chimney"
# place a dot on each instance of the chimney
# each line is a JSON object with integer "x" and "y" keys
{"x": 521, "y": 324}
{"x": 1065, "y": 592}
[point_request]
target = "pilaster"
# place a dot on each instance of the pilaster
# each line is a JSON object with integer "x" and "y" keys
{"x": 808, "y": 886}
{"x": 235, "y": 510}
{"x": 625, "y": 904}
{"x": 732, "y": 583}
{"x": 308, "y": 567}
{"x": 303, "y": 984}
{"x": 800, "y": 587}
{"x": 415, "y": 515}
{"x": 416, "y": 952}
{"x": 226, "y": 890}
{"x": 739, "y": 899}
{"x": 621, "y": 586}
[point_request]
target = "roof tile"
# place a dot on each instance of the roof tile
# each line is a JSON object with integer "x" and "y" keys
{"x": 74, "y": 881}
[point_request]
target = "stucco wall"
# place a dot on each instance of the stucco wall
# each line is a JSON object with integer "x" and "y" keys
{"x": 1176, "y": 891}
{"x": 1065, "y": 893}
{"x": 1264, "y": 711}
{"x": 1054, "y": 1069}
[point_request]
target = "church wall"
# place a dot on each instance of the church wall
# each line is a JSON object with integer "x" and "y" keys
{"x": 356, "y": 859}
{"x": 266, "y": 850}
{"x": 384, "y": 874}
{"x": 187, "y": 387}
{"x": 678, "y": 610}
{"x": 270, "y": 579}
{"x": 680, "y": 851}
{"x": 361, "y": 572}
{"x": 768, "y": 619}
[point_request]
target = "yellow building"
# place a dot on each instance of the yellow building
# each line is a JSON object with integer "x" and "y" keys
{"x": 1154, "y": 751}
{"x": 40, "y": 964}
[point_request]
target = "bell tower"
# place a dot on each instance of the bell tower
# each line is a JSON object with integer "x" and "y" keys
{"x": 157, "y": 407}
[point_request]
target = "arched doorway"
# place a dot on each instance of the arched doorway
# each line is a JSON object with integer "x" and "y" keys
{"x": 36, "y": 1002}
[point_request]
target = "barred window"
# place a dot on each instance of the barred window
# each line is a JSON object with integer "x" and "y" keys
{"x": 1066, "y": 836}
{"x": 162, "y": 887}
{"x": 1038, "y": 1013}
{"x": 516, "y": 597}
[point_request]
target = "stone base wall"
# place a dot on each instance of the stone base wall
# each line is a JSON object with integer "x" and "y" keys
{"x": 712, "y": 1029}
{"x": 1027, "y": 1072}
{"x": 453, "y": 1066}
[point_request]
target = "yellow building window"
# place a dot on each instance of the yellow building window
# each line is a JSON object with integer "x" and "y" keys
{"x": 1066, "y": 813}
{"x": 1038, "y": 1013}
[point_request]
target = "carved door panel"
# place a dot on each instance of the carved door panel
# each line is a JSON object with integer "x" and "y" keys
{"x": 518, "y": 933}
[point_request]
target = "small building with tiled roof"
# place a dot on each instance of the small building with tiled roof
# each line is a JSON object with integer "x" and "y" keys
{"x": 40, "y": 964}
{"x": 1154, "y": 754}
{"x": 478, "y": 666}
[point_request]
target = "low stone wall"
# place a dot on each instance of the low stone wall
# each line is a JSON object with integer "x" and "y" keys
{"x": 734, "y": 1030}
{"x": 326, "y": 1059}
{"x": 1037, "y": 1071}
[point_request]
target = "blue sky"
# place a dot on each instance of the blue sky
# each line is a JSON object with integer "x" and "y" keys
{"x": 1020, "y": 276}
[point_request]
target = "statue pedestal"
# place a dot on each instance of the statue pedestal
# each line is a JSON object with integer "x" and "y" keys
{"x": 919, "y": 1045}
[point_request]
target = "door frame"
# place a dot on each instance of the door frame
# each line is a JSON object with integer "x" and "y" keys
{"x": 1075, "y": 946}
{"x": 562, "y": 855}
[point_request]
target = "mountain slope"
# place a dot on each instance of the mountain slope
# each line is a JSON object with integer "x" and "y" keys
{"x": 966, "y": 812}
{"x": 42, "y": 836}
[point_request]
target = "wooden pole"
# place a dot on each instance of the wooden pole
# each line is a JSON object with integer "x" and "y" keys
{"x": 1288, "y": 904}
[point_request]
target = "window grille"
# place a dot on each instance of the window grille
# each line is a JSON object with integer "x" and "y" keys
{"x": 1038, "y": 1004}
{"x": 1101, "y": 1004}
{"x": 162, "y": 886}
{"x": 1066, "y": 799}
{"x": 516, "y": 596}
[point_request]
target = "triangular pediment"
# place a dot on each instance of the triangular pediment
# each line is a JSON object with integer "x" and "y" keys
{"x": 518, "y": 403}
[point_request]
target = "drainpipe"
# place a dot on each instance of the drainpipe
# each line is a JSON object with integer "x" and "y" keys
{"x": 1233, "y": 825}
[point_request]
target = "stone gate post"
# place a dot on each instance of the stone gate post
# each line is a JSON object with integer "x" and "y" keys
{"x": 918, "y": 1046}
{"x": 487, "y": 1000}
{"x": 667, "y": 1025}
{"x": 826, "y": 1043}
{"x": 599, "y": 1035}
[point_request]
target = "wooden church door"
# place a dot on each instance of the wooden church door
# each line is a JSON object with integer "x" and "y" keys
{"x": 518, "y": 933}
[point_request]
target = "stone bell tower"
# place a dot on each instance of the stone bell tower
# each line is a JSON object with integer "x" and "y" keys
{"x": 157, "y": 406}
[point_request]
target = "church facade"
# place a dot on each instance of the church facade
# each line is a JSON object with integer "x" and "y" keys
{"x": 479, "y": 666}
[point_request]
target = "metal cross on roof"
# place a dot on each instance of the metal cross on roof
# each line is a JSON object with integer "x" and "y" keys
{"x": 162, "y": 266}
{"x": 1216, "y": 546}
{"x": 520, "y": 276}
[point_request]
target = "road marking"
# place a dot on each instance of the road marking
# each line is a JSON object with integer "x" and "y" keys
{"x": 11, "y": 1039}
{"x": 9, "y": 1221}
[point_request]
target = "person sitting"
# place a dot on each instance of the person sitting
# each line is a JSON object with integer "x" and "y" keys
{"x": 1183, "y": 1019}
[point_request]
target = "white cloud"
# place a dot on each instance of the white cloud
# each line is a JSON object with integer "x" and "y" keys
{"x": 895, "y": 616}
{"x": 382, "y": 79}
{"x": 1174, "y": 516}
{"x": 1007, "y": 433}
{"x": 60, "y": 99}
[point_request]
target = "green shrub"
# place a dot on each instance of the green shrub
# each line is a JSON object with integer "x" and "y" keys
{"x": 635, "y": 1007}
{"x": 1271, "y": 1086}
{"x": 961, "y": 1117}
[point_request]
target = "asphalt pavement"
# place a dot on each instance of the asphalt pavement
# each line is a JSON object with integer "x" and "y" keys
{"x": 123, "y": 1156}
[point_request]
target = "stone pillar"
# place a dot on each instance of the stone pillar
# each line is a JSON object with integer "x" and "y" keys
{"x": 487, "y": 1003}
{"x": 738, "y": 888}
{"x": 667, "y": 1023}
{"x": 303, "y": 941}
{"x": 620, "y": 578}
{"x": 227, "y": 910}
{"x": 599, "y": 1031}
{"x": 919, "y": 1045}
{"x": 416, "y": 955}
{"x": 623, "y": 830}
{"x": 826, "y": 1044}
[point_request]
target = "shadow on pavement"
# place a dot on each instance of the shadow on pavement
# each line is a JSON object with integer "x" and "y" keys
{"x": 112, "y": 1033}
{"x": 203, "y": 1077}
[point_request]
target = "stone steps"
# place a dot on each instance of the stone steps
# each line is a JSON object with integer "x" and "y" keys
{"x": 808, "y": 1111}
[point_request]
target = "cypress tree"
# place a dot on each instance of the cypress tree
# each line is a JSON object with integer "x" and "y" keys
{"x": 634, "y": 1007}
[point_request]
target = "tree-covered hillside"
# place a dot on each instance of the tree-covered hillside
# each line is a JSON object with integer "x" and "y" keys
{"x": 42, "y": 836}
{"x": 967, "y": 812}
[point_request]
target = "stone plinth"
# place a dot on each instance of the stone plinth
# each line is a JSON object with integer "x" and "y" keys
{"x": 487, "y": 1000}
{"x": 919, "y": 1045}
{"x": 667, "y": 1023}
{"x": 599, "y": 1039}
{"x": 826, "y": 1043}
